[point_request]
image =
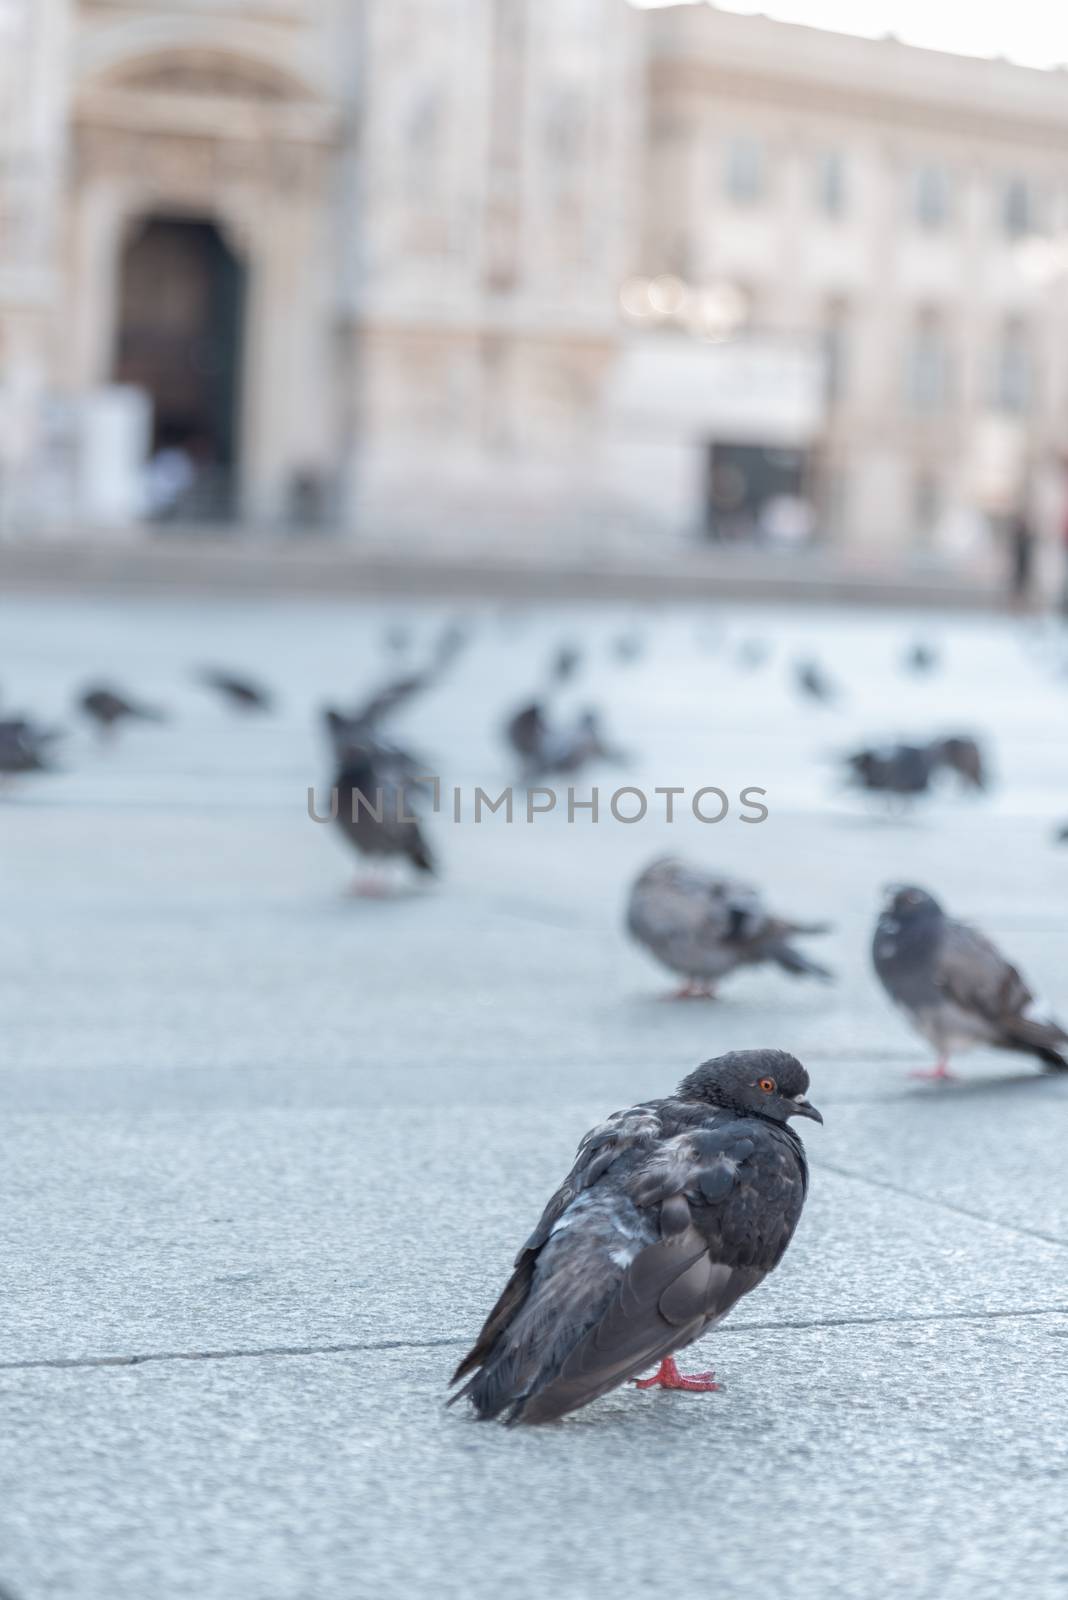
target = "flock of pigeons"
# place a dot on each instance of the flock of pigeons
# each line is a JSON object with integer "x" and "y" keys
{"x": 676, "y": 1208}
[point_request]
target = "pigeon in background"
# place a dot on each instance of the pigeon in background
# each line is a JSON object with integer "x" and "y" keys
{"x": 752, "y": 653}
{"x": 565, "y": 663}
{"x": 106, "y": 708}
{"x": 628, "y": 647}
{"x": 24, "y": 747}
{"x": 397, "y": 638}
{"x": 703, "y": 927}
{"x": 374, "y": 814}
{"x": 813, "y": 682}
{"x": 546, "y": 748}
{"x": 672, "y": 1212}
{"x": 900, "y": 771}
{"x": 240, "y": 693}
{"x": 962, "y": 755}
{"x": 1061, "y": 835}
{"x": 921, "y": 657}
{"x": 955, "y": 987}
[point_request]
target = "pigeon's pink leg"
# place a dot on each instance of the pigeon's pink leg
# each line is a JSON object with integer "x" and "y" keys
{"x": 668, "y": 1376}
{"x": 692, "y": 990}
{"x": 368, "y": 888}
{"x": 937, "y": 1074}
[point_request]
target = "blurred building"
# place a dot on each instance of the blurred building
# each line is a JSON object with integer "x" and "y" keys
{"x": 432, "y": 269}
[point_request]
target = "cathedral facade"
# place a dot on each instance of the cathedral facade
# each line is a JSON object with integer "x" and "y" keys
{"x": 518, "y": 269}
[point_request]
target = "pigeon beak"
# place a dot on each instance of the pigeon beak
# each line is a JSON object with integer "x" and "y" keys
{"x": 802, "y": 1108}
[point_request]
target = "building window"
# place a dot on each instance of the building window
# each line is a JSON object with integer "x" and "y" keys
{"x": 931, "y": 196}
{"x": 744, "y": 171}
{"x": 926, "y": 503}
{"x": 1013, "y": 376}
{"x": 831, "y": 183}
{"x": 835, "y": 351}
{"x": 1018, "y": 208}
{"x": 928, "y": 373}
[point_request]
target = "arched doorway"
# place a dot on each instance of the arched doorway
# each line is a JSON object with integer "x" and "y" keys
{"x": 180, "y": 328}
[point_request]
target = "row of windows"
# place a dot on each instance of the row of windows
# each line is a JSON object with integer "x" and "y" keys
{"x": 929, "y": 366}
{"x": 932, "y": 197}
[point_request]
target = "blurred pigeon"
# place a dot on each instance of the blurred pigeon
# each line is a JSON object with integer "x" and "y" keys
{"x": 452, "y": 641}
{"x": 373, "y": 812}
{"x": 956, "y": 987}
{"x": 565, "y": 663}
{"x": 1061, "y": 836}
{"x": 703, "y": 927}
{"x": 901, "y": 771}
{"x": 628, "y": 647}
{"x": 106, "y": 707}
{"x": 526, "y": 730}
{"x": 814, "y": 682}
{"x": 962, "y": 755}
{"x": 752, "y": 653}
{"x": 397, "y": 638}
{"x": 921, "y": 657}
{"x": 24, "y": 747}
{"x": 242, "y": 694}
{"x": 672, "y": 1212}
{"x": 546, "y": 748}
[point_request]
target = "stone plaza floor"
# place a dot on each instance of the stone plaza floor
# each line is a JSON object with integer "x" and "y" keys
{"x": 267, "y": 1150}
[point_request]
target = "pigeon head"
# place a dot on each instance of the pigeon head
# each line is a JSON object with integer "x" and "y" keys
{"x": 909, "y": 904}
{"x": 763, "y": 1083}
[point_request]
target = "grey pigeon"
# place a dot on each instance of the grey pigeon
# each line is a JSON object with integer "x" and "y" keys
{"x": 545, "y": 747}
{"x": 921, "y": 657}
{"x": 565, "y": 663}
{"x": 241, "y": 693}
{"x": 814, "y": 682}
{"x": 955, "y": 987}
{"x": 703, "y": 926}
{"x": 106, "y": 707}
{"x": 962, "y": 755}
{"x": 24, "y": 746}
{"x": 374, "y": 813}
{"x": 898, "y": 770}
{"x": 672, "y": 1212}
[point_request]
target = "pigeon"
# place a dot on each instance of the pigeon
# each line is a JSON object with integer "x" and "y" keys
{"x": 546, "y": 748}
{"x": 373, "y": 813}
{"x": 1061, "y": 835}
{"x": 107, "y": 708}
{"x": 240, "y": 692}
{"x": 703, "y": 927}
{"x": 955, "y": 987}
{"x": 752, "y": 654}
{"x": 526, "y": 730}
{"x": 814, "y": 682}
{"x": 24, "y": 747}
{"x": 672, "y": 1212}
{"x": 902, "y": 771}
{"x": 962, "y": 755}
{"x": 565, "y": 663}
{"x": 921, "y": 657}
{"x": 628, "y": 647}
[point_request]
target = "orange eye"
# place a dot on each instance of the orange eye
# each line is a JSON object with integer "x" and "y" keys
{"x": 768, "y": 1085}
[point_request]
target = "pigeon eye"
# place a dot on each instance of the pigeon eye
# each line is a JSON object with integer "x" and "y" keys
{"x": 768, "y": 1085}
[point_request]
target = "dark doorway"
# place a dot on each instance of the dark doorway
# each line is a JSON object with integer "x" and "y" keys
{"x": 756, "y": 493}
{"x": 180, "y": 337}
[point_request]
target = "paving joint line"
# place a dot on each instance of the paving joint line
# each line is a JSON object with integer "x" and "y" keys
{"x": 942, "y": 1205}
{"x": 74, "y": 1363}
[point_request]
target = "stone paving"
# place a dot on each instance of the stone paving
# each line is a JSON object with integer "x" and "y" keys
{"x": 267, "y": 1150}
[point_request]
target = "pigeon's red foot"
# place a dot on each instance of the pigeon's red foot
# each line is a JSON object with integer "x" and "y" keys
{"x": 937, "y": 1074}
{"x": 668, "y": 1376}
{"x": 368, "y": 889}
{"x": 692, "y": 991}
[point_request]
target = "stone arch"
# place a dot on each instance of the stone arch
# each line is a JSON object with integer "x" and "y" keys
{"x": 242, "y": 57}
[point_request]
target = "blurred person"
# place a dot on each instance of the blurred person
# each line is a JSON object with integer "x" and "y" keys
{"x": 1021, "y": 556}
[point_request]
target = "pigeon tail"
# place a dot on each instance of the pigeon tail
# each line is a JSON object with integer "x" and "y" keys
{"x": 793, "y": 961}
{"x": 1045, "y": 1040}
